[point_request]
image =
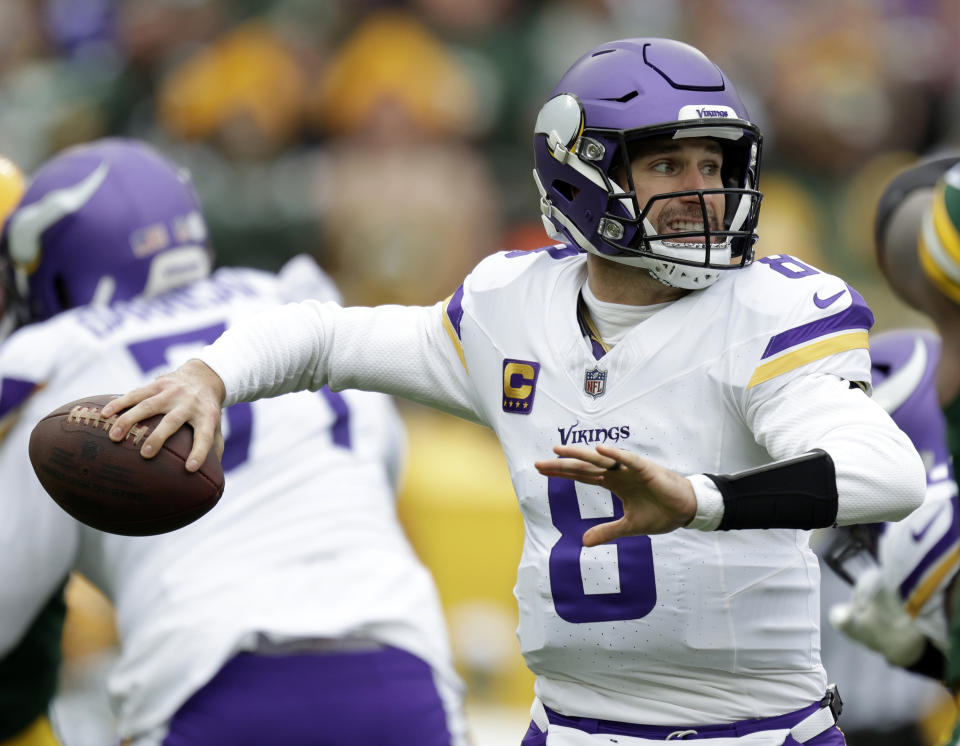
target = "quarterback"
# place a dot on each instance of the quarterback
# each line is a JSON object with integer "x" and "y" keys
{"x": 659, "y": 396}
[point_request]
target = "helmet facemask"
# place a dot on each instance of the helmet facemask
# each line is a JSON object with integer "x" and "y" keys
{"x": 702, "y": 240}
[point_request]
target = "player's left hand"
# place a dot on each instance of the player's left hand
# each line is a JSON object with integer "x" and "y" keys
{"x": 655, "y": 499}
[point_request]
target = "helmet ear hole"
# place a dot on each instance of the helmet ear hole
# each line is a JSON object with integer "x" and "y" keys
{"x": 566, "y": 190}
{"x": 61, "y": 292}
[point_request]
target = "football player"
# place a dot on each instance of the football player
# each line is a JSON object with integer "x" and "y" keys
{"x": 30, "y": 643}
{"x": 689, "y": 394}
{"x": 899, "y": 603}
{"x": 917, "y": 240}
{"x": 296, "y": 612}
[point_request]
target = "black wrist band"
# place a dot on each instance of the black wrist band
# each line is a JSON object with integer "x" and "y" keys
{"x": 796, "y": 493}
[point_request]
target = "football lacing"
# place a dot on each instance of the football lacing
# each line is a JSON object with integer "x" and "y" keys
{"x": 90, "y": 416}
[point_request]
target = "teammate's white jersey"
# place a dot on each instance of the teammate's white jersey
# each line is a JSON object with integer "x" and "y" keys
{"x": 303, "y": 544}
{"x": 686, "y": 627}
{"x": 920, "y": 556}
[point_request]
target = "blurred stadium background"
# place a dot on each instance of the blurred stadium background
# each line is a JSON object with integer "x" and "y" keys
{"x": 391, "y": 140}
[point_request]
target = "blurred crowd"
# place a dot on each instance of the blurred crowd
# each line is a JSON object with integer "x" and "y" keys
{"x": 391, "y": 140}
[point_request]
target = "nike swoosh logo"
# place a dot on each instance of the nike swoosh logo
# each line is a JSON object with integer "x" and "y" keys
{"x": 824, "y": 302}
{"x": 29, "y": 223}
{"x": 917, "y": 535}
{"x": 895, "y": 390}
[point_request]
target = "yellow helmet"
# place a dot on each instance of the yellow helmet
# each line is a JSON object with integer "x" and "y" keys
{"x": 12, "y": 187}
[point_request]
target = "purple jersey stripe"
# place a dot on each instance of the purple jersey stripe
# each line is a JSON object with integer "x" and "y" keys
{"x": 555, "y": 252}
{"x": 455, "y": 309}
{"x": 936, "y": 553}
{"x": 13, "y": 393}
{"x": 856, "y": 316}
{"x": 340, "y": 430}
{"x": 152, "y": 353}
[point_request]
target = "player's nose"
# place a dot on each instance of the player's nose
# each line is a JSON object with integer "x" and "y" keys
{"x": 692, "y": 178}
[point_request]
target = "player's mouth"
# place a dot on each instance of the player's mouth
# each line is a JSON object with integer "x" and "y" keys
{"x": 691, "y": 229}
{"x": 686, "y": 226}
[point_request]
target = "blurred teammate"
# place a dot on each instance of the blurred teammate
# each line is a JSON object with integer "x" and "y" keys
{"x": 298, "y": 614}
{"x": 917, "y": 236}
{"x": 30, "y": 645}
{"x": 643, "y": 348}
{"x": 899, "y": 605}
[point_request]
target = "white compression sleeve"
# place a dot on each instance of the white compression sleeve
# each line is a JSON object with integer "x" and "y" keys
{"x": 399, "y": 350}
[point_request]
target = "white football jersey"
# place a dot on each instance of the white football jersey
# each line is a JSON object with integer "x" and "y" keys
{"x": 920, "y": 556}
{"x": 304, "y": 542}
{"x": 690, "y": 626}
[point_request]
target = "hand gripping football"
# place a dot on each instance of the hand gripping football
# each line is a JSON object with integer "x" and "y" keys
{"x": 109, "y": 485}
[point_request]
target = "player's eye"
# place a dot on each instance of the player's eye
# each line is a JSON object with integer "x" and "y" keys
{"x": 664, "y": 166}
{"x": 711, "y": 168}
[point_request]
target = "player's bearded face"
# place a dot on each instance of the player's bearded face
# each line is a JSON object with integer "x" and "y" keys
{"x": 664, "y": 165}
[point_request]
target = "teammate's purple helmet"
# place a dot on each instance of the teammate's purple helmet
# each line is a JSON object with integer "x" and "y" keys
{"x": 102, "y": 222}
{"x": 904, "y": 371}
{"x": 611, "y": 98}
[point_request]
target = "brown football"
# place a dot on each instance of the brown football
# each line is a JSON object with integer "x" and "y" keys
{"x": 109, "y": 485}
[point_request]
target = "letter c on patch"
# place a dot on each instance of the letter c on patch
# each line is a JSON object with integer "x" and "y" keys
{"x": 518, "y": 379}
{"x": 519, "y": 385}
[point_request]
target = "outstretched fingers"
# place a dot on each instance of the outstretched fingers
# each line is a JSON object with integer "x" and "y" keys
{"x": 578, "y": 463}
{"x": 191, "y": 395}
{"x": 125, "y": 401}
{"x": 606, "y": 532}
{"x": 133, "y": 407}
{"x": 655, "y": 499}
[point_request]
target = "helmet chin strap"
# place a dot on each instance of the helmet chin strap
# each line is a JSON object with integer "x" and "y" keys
{"x": 683, "y": 275}
{"x": 667, "y": 272}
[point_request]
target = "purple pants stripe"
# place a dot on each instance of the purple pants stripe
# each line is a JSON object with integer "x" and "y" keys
{"x": 830, "y": 737}
{"x": 360, "y": 698}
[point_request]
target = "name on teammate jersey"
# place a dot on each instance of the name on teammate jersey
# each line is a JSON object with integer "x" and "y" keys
{"x": 573, "y": 435}
{"x": 101, "y": 321}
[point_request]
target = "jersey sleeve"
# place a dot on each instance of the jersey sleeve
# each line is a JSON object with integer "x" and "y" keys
{"x": 400, "y": 350}
{"x": 801, "y": 343}
{"x": 791, "y": 321}
{"x": 35, "y": 562}
{"x": 920, "y": 557}
{"x": 28, "y": 360}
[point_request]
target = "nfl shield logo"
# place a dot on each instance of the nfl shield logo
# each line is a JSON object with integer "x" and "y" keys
{"x": 594, "y": 382}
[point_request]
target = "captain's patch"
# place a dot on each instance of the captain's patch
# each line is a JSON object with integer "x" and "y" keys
{"x": 519, "y": 385}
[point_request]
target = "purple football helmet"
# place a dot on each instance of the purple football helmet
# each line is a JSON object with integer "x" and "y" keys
{"x": 903, "y": 366}
{"x": 615, "y": 96}
{"x": 102, "y": 222}
{"x": 904, "y": 371}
